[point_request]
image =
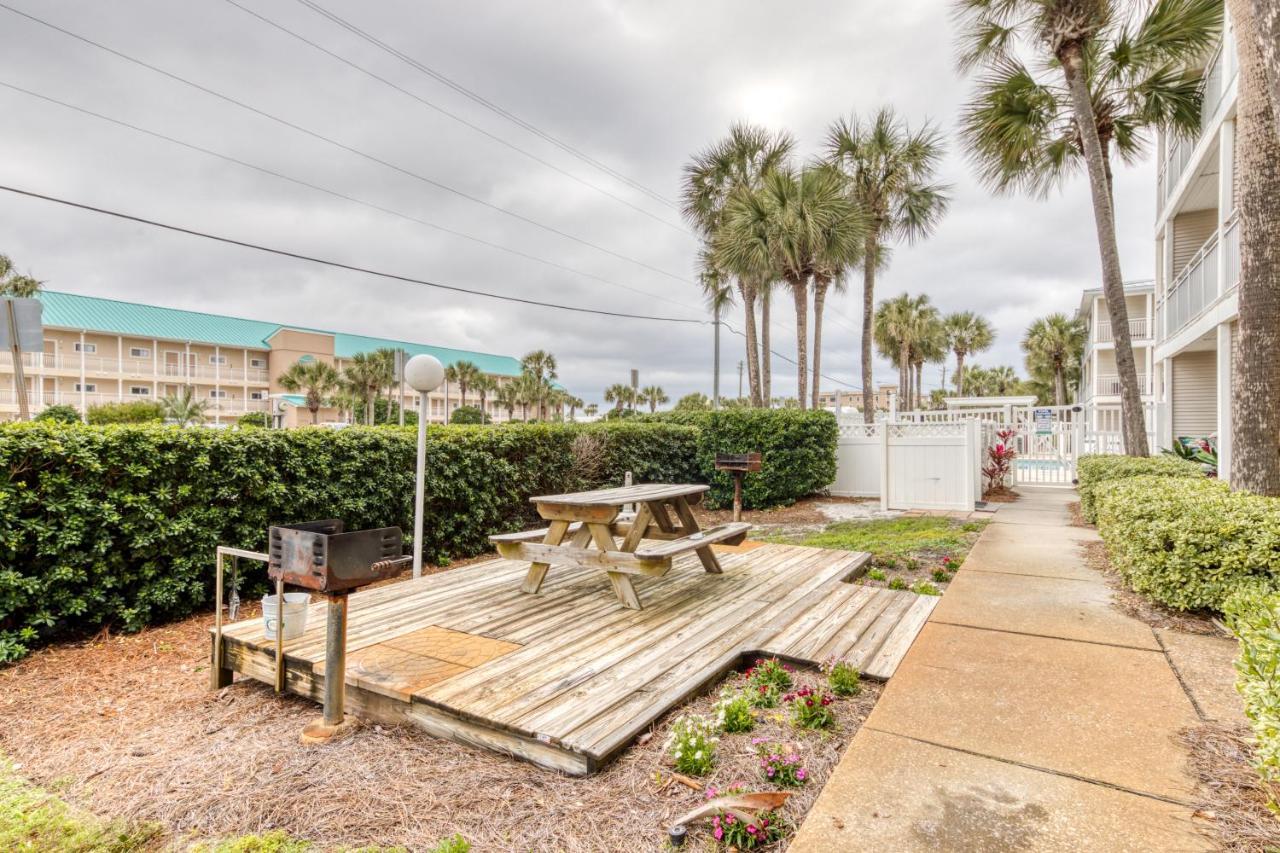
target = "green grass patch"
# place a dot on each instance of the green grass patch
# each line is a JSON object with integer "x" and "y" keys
{"x": 32, "y": 819}
{"x": 903, "y": 539}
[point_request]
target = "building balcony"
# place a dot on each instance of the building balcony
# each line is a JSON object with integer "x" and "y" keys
{"x": 1140, "y": 329}
{"x": 230, "y": 406}
{"x": 136, "y": 368}
{"x": 1108, "y": 385}
{"x": 1197, "y": 286}
{"x": 1219, "y": 81}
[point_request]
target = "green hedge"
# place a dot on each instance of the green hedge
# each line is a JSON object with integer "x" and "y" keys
{"x": 797, "y": 449}
{"x": 1093, "y": 471}
{"x": 117, "y": 525}
{"x": 1189, "y": 543}
{"x": 1254, "y": 617}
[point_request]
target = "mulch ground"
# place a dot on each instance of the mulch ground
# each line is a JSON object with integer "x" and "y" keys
{"x": 1232, "y": 807}
{"x": 126, "y": 727}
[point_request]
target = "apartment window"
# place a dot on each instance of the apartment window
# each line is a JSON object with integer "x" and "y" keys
{"x": 218, "y": 359}
{"x": 88, "y": 387}
{"x": 216, "y": 394}
{"x": 86, "y": 348}
{"x": 140, "y": 390}
{"x": 139, "y": 352}
{"x": 258, "y": 362}
{"x": 257, "y": 395}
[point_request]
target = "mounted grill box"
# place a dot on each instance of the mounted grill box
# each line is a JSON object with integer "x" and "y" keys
{"x": 320, "y": 556}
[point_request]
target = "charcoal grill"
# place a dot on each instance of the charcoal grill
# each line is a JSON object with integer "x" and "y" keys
{"x": 738, "y": 465}
{"x": 324, "y": 557}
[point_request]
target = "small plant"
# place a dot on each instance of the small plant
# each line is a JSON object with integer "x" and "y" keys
{"x": 887, "y": 562}
{"x": 762, "y": 695}
{"x": 913, "y": 564}
{"x": 897, "y": 583}
{"x": 941, "y": 576}
{"x": 925, "y": 588}
{"x": 780, "y": 764}
{"x": 950, "y": 563}
{"x": 842, "y": 677}
{"x": 734, "y": 712}
{"x": 1000, "y": 459}
{"x": 876, "y": 574}
{"x": 737, "y": 834}
{"x": 692, "y": 744}
{"x": 810, "y": 709}
{"x": 771, "y": 672}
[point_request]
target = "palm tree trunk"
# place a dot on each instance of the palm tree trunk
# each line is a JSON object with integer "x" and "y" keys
{"x": 1132, "y": 422}
{"x": 868, "y": 308}
{"x": 368, "y": 410}
{"x": 800, "y": 295}
{"x": 1266, "y": 27}
{"x": 1059, "y": 384}
{"x": 766, "y": 354}
{"x": 904, "y": 382}
{"x": 748, "y": 292}
{"x": 960, "y": 373}
{"x": 1255, "y": 386}
{"x": 820, "y": 285}
{"x": 315, "y": 416}
{"x": 919, "y": 392}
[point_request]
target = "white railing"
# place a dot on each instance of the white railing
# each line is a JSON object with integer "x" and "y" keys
{"x": 1194, "y": 288}
{"x": 1139, "y": 329}
{"x": 1231, "y": 246}
{"x": 102, "y": 365}
{"x": 1109, "y": 384}
{"x": 1218, "y": 79}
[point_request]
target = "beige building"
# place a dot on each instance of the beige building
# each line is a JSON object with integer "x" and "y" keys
{"x": 1099, "y": 379}
{"x": 852, "y": 400}
{"x": 105, "y": 351}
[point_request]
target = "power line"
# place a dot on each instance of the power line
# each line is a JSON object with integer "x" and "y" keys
{"x": 331, "y": 192}
{"x": 192, "y": 232}
{"x": 459, "y": 119}
{"x": 484, "y": 102}
{"x": 329, "y": 140}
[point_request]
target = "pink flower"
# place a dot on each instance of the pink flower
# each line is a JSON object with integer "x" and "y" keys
{"x": 801, "y": 774}
{"x": 719, "y": 834}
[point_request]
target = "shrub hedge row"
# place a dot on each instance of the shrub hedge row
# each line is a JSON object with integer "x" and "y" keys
{"x": 1254, "y": 617}
{"x": 1095, "y": 470}
{"x": 117, "y": 525}
{"x": 1189, "y": 543}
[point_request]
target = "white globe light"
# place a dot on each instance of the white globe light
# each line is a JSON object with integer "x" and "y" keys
{"x": 424, "y": 373}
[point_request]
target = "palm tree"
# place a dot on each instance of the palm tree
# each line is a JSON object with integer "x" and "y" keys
{"x": 183, "y": 408}
{"x": 929, "y": 347}
{"x": 1057, "y": 342}
{"x": 464, "y": 374}
{"x": 574, "y": 403}
{"x": 530, "y": 391}
{"x": 901, "y": 329}
{"x": 385, "y": 359}
{"x": 591, "y": 409}
{"x": 13, "y": 284}
{"x": 508, "y": 397}
{"x": 618, "y": 394}
{"x": 484, "y": 385}
{"x": 1255, "y": 390}
{"x": 837, "y": 245}
{"x": 966, "y": 333}
{"x": 316, "y": 379}
{"x": 362, "y": 373}
{"x": 541, "y": 365}
{"x": 737, "y": 163}
{"x": 889, "y": 172}
{"x": 654, "y": 396}
{"x": 1119, "y": 77}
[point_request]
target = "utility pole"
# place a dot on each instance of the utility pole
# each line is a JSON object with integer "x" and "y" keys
{"x": 635, "y": 387}
{"x": 715, "y": 379}
{"x": 400, "y": 362}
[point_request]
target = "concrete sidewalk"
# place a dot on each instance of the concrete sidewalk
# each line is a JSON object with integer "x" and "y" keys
{"x": 1029, "y": 714}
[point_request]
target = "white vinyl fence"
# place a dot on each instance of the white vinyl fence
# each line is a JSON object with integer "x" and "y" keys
{"x": 912, "y": 465}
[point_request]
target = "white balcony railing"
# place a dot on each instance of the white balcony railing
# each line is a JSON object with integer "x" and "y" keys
{"x": 142, "y": 368}
{"x": 1219, "y": 76}
{"x": 1194, "y": 288}
{"x": 227, "y": 406}
{"x": 1139, "y": 330}
{"x": 1109, "y": 385}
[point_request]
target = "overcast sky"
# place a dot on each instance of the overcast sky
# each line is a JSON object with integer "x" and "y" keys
{"x": 637, "y": 86}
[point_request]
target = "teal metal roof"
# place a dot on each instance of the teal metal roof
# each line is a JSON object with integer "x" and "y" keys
{"x": 294, "y": 399}
{"x": 71, "y": 310}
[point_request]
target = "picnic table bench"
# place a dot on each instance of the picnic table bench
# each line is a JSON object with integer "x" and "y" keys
{"x": 594, "y": 521}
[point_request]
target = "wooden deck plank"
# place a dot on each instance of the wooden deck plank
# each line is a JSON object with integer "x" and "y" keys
{"x": 900, "y": 638}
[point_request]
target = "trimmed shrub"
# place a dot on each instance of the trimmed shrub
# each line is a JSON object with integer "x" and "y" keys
{"x": 254, "y": 419}
{"x": 132, "y": 412}
{"x": 1095, "y": 470}
{"x": 1254, "y": 617}
{"x": 61, "y": 413}
{"x": 797, "y": 452}
{"x": 117, "y": 525}
{"x": 1189, "y": 543}
{"x": 468, "y": 415}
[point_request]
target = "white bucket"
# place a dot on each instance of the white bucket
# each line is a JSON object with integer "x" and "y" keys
{"x": 295, "y": 614}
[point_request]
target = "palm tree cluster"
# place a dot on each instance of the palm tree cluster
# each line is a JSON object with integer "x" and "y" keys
{"x": 15, "y": 284}
{"x": 910, "y": 332}
{"x": 1071, "y": 83}
{"x": 767, "y": 220}
{"x": 1054, "y": 346}
{"x": 999, "y": 381}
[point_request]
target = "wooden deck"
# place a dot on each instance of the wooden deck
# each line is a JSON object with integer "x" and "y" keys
{"x": 568, "y": 678}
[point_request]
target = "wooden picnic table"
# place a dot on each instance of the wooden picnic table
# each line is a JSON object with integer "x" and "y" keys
{"x": 594, "y": 522}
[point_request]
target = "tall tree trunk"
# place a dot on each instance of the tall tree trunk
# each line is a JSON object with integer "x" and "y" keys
{"x": 748, "y": 292}
{"x": 1059, "y": 385}
{"x": 904, "y": 377}
{"x": 820, "y": 285}
{"x": 368, "y": 409}
{"x": 800, "y": 295}
{"x": 868, "y": 308}
{"x": 1266, "y": 27}
{"x": 1255, "y": 386}
{"x": 1132, "y": 422}
{"x": 959, "y": 373}
{"x": 766, "y": 354}
{"x": 918, "y": 396}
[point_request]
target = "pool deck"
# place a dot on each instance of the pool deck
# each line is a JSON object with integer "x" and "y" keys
{"x": 567, "y": 678}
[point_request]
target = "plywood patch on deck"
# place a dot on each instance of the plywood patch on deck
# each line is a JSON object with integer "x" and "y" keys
{"x": 468, "y": 650}
{"x": 741, "y": 548}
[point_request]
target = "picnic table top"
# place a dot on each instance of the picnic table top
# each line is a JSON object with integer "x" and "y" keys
{"x": 624, "y": 494}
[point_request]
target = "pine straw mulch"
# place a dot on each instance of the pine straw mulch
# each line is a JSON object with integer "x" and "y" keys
{"x": 126, "y": 727}
{"x": 1142, "y": 608}
{"x": 804, "y": 513}
{"x": 1232, "y": 807}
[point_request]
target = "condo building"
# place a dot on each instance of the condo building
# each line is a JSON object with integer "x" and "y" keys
{"x": 107, "y": 351}
{"x": 1099, "y": 379}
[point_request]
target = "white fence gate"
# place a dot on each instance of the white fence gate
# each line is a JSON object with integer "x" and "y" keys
{"x": 1047, "y": 440}
{"x": 911, "y": 465}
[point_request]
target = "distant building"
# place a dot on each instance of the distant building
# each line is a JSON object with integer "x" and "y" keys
{"x": 1099, "y": 380}
{"x": 852, "y": 400}
{"x": 107, "y": 351}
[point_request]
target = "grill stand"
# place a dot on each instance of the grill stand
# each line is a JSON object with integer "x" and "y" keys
{"x": 335, "y": 721}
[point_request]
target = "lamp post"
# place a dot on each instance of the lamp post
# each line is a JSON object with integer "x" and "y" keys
{"x": 424, "y": 373}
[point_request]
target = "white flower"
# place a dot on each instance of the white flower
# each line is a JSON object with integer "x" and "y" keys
{"x": 698, "y": 755}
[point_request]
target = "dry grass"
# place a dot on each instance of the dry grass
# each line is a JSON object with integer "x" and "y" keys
{"x": 803, "y": 513}
{"x": 1140, "y": 607}
{"x": 1233, "y": 799}
{"x": 126, "y": 727}
{"x": 1077, "y": 515}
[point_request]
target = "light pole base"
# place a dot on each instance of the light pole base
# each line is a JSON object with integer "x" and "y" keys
{"x": 318, "y": 731}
